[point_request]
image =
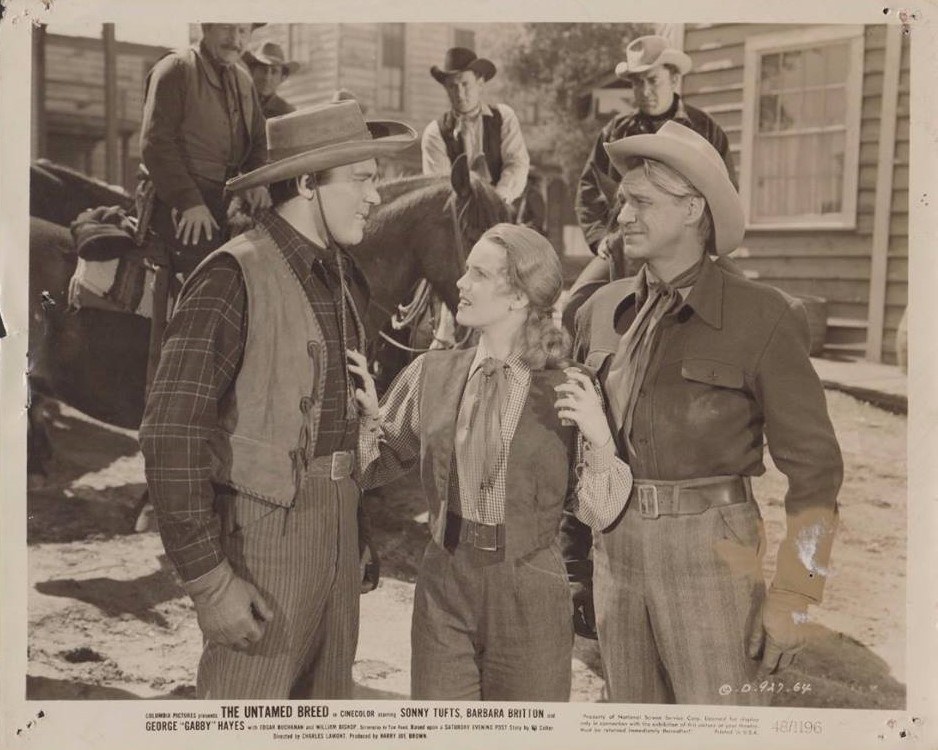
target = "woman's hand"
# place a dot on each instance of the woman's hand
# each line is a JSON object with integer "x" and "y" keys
{"x": 580, "y": 403}
{"x": 365, "y": 394}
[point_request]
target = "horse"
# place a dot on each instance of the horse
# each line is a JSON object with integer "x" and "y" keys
{"x": 96, "y": 360}
{"x": 58, "y": 194}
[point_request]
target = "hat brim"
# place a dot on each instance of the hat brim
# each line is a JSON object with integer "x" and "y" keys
{"x": 675, "y": 57}
{"x": 712, "y": 182}
{"x": 481, "y": 66}
{"x": 251, "y": 58}
{"x": 393, "y": 137}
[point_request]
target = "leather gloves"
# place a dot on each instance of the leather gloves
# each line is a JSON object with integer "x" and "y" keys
{"x": 780, "y": 632}
{"x": 231, "y": 611}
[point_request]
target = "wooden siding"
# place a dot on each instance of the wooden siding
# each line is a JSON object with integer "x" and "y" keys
{"x": 316, "y": 48}
{"x": 834, "y": 264}
{"x": 73, "y": 101}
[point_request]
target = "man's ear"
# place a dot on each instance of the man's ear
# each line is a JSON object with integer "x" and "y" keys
{"x": 694, "y": 209}
{"x": 305, "y": 186}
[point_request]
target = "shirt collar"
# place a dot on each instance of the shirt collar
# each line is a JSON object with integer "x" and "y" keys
{"x": 517, "y": 368}
{"x": 484, "y": 111}
{"x": 283, "y": 231}
{"x": 210, "y": 65}
{"x": 705, "y": 297}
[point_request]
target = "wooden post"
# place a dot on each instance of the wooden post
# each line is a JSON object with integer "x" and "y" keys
{"x": 39, "y": 148}
{"x": 885, "y": 168}
{"x": 110, "y": 104}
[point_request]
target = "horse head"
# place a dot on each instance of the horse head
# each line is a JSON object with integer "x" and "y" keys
{"x": 473, "y": 207}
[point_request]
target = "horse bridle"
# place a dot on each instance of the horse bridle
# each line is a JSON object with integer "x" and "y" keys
{"x": 408, "y": 313}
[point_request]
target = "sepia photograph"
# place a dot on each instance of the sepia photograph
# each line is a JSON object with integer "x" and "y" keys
{"x": 465, "y": 380}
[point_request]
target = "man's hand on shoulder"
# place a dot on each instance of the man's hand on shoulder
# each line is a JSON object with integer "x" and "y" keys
{"x": 231, "y": 611}
{"x": 257, "y": 198}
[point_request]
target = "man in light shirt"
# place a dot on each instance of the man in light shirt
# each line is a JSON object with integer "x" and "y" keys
{"x": 475, "y": 128}
{"x": 489, "y": 135}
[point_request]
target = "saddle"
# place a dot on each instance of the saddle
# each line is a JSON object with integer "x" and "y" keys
{"x": 117, "y": 262}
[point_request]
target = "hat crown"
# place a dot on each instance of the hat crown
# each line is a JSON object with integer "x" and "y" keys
{"x": 694, "y": 140}
{"x": 272, "y": 51}
{"x": 645, "y": 51}
{"x": 314, "y": 128}
{"x": 458, "y": 58}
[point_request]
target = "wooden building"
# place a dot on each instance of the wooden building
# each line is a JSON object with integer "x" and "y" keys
{"x": 69, "y": 124}
{"x": 818, "y": 118}
{"x": 818, "y": 122}
{"x": 385, "y": 65}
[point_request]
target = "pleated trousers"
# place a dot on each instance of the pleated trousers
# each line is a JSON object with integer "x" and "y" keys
{"x": 304, "y": 562}
{"x": 676, "y": 598}
{"x": 489, "y": 628}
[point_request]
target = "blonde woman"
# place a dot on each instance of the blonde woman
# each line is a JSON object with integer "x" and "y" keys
{"x": 504, "y": 437}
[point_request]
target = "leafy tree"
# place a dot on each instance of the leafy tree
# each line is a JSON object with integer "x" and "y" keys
{"x": 556, "y": 63}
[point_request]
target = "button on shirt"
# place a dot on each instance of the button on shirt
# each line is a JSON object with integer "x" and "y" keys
{"x": 390, "y": 445}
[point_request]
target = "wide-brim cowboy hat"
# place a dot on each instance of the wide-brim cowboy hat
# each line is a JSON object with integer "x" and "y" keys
{"x": 323, "y": 137}
{"x": 458, "y": 59}
{"x": 646, "y": 52}
{"x": 270, "y": 53}
{"x": 691, "y": 155}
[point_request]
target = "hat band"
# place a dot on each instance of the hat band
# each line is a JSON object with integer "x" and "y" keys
{"x": 277, "y": 154}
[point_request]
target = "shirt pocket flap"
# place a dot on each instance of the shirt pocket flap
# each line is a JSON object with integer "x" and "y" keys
{"x": 712, "y": 372}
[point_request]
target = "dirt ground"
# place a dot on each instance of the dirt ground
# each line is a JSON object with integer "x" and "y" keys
{"x": 107, "y": 618}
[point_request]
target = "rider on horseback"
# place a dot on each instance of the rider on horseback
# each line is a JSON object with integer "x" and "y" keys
{"x": 489, "y": 135}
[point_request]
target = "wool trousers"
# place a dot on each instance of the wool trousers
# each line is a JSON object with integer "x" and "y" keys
{"x": 676, "y": 598}
{"x": 490, "y": 628}
{"x": 304, "y": 562}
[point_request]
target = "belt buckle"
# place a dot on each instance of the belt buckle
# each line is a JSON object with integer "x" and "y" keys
{"x": 485, "y": 537}
{"x": 341, "y": 465}
{"x": 648, "y": 501}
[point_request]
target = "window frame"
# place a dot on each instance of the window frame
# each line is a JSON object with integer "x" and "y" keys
{"x": 802, "y": 39}
{"x": 381, "y": 68}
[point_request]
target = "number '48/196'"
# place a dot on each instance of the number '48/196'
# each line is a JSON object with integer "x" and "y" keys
{"x": 792, "y": 726}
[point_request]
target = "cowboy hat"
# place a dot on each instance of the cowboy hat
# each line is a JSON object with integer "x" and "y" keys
{"x": 691, "y": 155}
{"x": 323, "y": 137}
{"x": 458, "y": 59}
{"x": 269, "y": 53}
{"x": 646, "y": 52}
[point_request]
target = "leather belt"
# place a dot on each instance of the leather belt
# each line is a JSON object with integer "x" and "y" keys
{"x": 653, "y": 498}
{"x": 484, "y": 536}
{"x": 338, "y": 465}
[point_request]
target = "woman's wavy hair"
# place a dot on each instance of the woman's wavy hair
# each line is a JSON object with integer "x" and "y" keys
{"x": 532, "y": 267}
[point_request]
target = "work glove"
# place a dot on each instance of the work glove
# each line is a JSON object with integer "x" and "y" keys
{"x": 231, "y": 612}
{"x": 781, "y": 630}
{"x": 580, "y": 578}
